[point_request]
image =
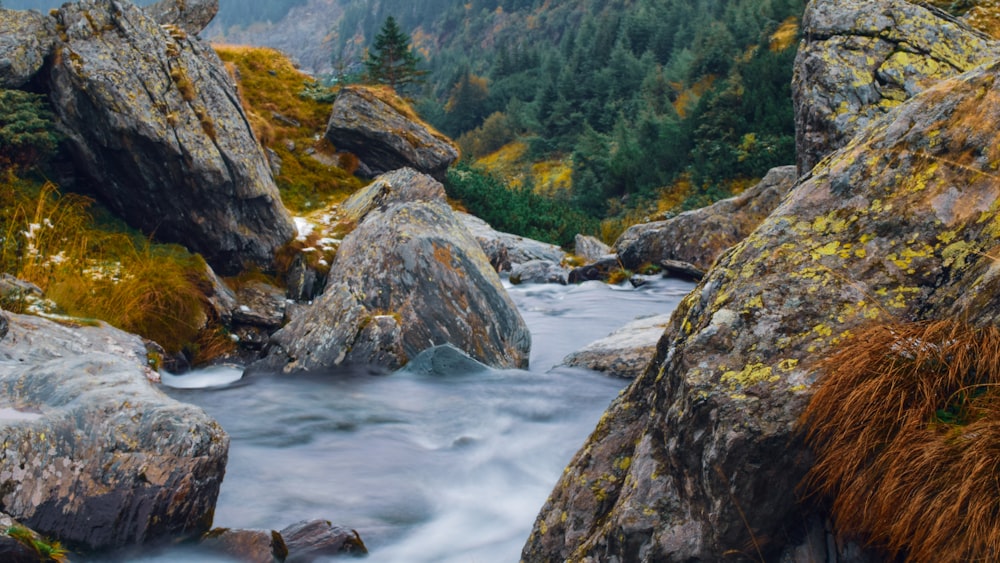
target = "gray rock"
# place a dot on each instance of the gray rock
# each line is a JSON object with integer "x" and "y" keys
{"x": 247, "y": 546}
{"x": 371, "y": 124}
{"x": 590, "y": 248}
{"x": 154, "y": 120}
{"x": 260, "y": 304}
{"x": 310, "y": 540}
{"x": 861, "y": 58}
{"x": 678, "y": 269}
{"x": 93, "y": 455}
{"x": 504, "y": 249}
{"x": 624, "y": 353}
{"x": 26, "y": 38}
{"x": 538, "y": 271}
{"x": 409, "y": 277}
{"x": 699, "y": 236}
{"x": 192, "y": 16}
{"x": 702, "y": 449}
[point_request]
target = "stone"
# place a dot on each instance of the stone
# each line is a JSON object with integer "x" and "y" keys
{"x": 538, "y": 271}
{"x": 861, "y": 58}
{"x": 378, "y": 127}
{"x": 94, "y": 456}
{"x": 600, "y": 270}
{"x": 26, "y": 39}
{"x": 310, "y": 540}
{"x": 625, "y": 352}
{"x": 259, "y": 304}
{"x": 152, "y": 118}
{"x": 247, "y": 546}
{"x": 504, "y": 249}
{"x": 590, "y": 248}
{"x": 192, "y": 16}
{"x": 683, "y": 270}
{"x": 407, "y": 278}
{"x": 700, "y": 457}
{"x": 699, "y": 236}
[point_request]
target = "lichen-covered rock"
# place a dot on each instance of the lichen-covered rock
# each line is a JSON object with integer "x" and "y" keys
{"x": 93, "y": 455}
{"x": 861, "y": 58}
{"x": 26, "y": 38}
{"x": 701, "y": 451}
{"x": 374, "y": 125}
{"x": 154, "y": 120}
{"x": 407, "y": 278}
{"x": 624, "y": 353}
{"x": 699, "y": 236}
{"x": 192, "y": 16}
{"x": 504, "y": 249}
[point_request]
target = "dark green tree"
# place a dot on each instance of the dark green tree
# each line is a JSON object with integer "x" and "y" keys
{"x": 27, "y": 132}
{"x": 390, "y": 59}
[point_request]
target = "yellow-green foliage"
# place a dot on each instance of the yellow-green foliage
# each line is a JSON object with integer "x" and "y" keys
{"x": 271, "y": 87}
{"x": 46, "y": 550}
{"x": 51, "y": 240}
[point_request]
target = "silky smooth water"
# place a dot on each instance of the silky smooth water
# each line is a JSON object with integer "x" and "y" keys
{"x": 427, "y": 466}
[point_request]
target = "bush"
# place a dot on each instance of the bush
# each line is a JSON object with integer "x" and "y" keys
{"x": 27, "y": 133}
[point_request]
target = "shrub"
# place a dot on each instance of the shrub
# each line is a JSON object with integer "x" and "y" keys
{"x": 27, "y": 133}
{"x": 906, "y": 430}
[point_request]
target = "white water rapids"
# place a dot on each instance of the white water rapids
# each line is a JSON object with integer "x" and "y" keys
{"x": 428, "y": 467}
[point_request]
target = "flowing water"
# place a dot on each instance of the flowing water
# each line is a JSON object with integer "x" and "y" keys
{"x": 429, "y": 465}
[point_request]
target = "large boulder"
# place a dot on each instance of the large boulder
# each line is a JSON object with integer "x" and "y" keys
{"x": 700, "y": 457}
{"x": 192, "y": 16}
{"x": 699, "y": 236}
{"x": 381, "y": 130}
{"x": 861, "y": 58}
{"x": 93, "y": 455}
{"x": 409, "y": 277}
{"x": 26, "y": 38}
{"x": 154, "y": 120}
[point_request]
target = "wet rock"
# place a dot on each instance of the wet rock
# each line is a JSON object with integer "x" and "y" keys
{"x": 624, "y": 353}
{"x": 311, "y": 540}
{"x": 26, "y": 38}
{"x": 589, "y": 248}
{"x": 683, "y": 270}
{"x": 153, "y": 119}
{"x": 94, "y": 456}
{"x": 407, "y": 278}
{"x": 701, "y": 450}
{"x": 260, "y": 304}
{"x": 375, "y": 125}
{"x": 861, "y": 58}
{"x": 600, "y": 270}
{"x": 538, "y": 271}
{"x": 247, "y": 546}
{"x": 699, "y": 236}
{"x": 192, "y": 16}
{"x": 504, "y": 249}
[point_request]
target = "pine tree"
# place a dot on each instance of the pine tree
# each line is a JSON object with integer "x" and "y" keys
{"x": 390, "y": 60}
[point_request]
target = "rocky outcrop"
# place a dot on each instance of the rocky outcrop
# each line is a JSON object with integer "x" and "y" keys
{"x": 151, "y": 116}
{"x": 861, "y": 58}
{"x": 26, "y": 38}
{"x": 699, "y": 236}
{"x": 192, "y": 16}
{"x": 93, "y": 455}
{"x": 407, "y": 278}
{"x": 699, "y": 458}
{"x": 504, "y": 250}
{"x": 624, "y": 353}
{"x": 378, "y": 127}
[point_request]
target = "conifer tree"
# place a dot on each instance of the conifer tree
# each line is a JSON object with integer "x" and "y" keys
{"x": 390, "y": 60}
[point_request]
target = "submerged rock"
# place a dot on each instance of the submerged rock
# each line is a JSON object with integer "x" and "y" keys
{"x": 372, "y": 124}
{"x": 699, "y": 236}
{"x": 152, "y": 117}
{"x": 861, "y": 58}
{"x": 409, "y": 277}
{"x": 699, "y": 458}
{"x": 94, "y": 456}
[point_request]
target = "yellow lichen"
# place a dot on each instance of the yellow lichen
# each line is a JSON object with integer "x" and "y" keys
{"x": 751, "y": 374}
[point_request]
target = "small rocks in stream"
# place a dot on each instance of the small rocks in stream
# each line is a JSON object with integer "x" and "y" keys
{"x": 302, "y": 542}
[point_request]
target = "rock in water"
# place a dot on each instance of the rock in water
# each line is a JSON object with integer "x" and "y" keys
{"x": 26, "y": 38}
{"x": 408, "y": 278}
{"x": 699, "y": 236}
{"x": 384, "y": 136}
{"x": 153, "y": 118}
{"x": 701, "y": 451}
{"x": 861, "y": 58}
{"x": 93, "y": 455}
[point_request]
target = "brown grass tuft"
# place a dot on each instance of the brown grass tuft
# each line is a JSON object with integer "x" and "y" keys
{"x": 906, "y": 431}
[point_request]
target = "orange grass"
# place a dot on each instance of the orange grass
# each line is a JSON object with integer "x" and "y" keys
{"x": 906, "y": 430}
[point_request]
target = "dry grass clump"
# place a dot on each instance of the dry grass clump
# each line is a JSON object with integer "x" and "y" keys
{"x": 906, "y": 431}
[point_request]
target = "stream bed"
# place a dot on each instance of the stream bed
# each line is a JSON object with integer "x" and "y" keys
{"x": 428, "y": 465}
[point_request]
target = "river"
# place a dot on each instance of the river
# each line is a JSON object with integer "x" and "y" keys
{"x": 427, "y": 465}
